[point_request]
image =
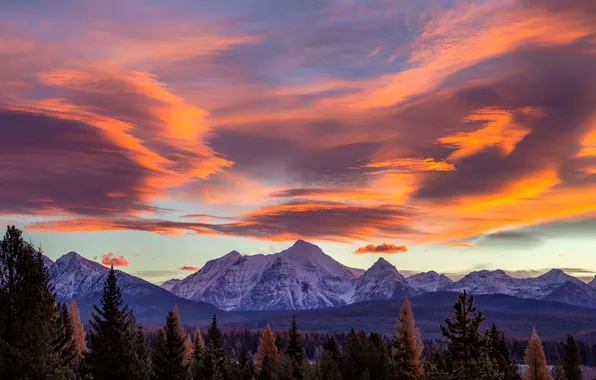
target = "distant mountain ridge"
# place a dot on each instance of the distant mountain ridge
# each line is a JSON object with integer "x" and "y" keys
{"x": 77, "y": 278}
{"x": 298, "y": 278}
{"x": 304, "y": 277}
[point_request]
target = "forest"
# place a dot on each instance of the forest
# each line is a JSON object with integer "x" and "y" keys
{"x": 41, "y": 338}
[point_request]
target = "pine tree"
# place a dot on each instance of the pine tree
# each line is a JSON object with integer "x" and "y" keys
{"x": 197, "y": 366}
{"x": 498, "y": 351}
{"x": 188, "y": 351}
{"x": 141, "y": 359}
{"x": 30, "y": 321}
{"x": 327, "y": 368}
{"x": 407, "y": 347}
{"x": 465, "y": 343}
{"x": 64, "y": 342}
{"x": 571, "y": 360}
{"x": 295, "y": 350}
{"x": 267, "y": 349}
{"x": 78, "y": 331}
{"x": 214, "y": 353}
{"x": 535, "y": 360}
{"x": 333, "y": 348}
{"x": 110, "y": 355}
{"x": 170, "y": 350}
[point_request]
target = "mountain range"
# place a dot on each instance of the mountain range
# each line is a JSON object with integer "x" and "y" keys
{"x": 301, "y": 277}
{"x": 252, "y": 291}
{"x": 304, "y": 277}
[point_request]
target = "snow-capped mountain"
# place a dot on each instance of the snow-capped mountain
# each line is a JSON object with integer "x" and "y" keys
{"x": 429, "y": 281}
{"x": 379, "y": 282}
{"x": 300, "y": 277}
{"x": 74, "y": 276}
{"x": 554, "y": 285}
{"x": 304, "y": 277}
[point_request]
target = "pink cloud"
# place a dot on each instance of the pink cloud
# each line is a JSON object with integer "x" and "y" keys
{"x": 383, "y": 248}
{"x": 115, "y": 260}
{"x": 190, "y": 268}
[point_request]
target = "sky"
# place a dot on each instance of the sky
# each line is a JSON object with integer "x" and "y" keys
{"x": 438, "y": 134}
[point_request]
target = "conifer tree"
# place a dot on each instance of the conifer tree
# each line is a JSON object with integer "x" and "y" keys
{"x": 407, "y": 347}
{"x": 64, "y": 342}
{"x": 571, "y": 359}
{"x": 78, "y": 331}
{"x": 536, "y": 368}
{"x": 30, "y": 321}
{"x": 187, "y": 351}
{"x": 465, "y": 343}
{"x": 267, "y": 349}
{"x": 333, "y": 348}
{"x": 498, "y": 351}
{"x": 214, "y": 353}
{"x": 110, "y": 355}
{"x": 142, "y": 369}
{"x": 197, "y": 366}
{"x": 327, "y": 368}
{"x": 170, "y": 350}
{"x": 295, "y": 350}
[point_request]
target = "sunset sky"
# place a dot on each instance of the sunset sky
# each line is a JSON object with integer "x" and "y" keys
{"x": 447, "y": 135}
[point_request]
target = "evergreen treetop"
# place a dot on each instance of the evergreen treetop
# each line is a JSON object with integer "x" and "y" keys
{"x": 571, "y": 359}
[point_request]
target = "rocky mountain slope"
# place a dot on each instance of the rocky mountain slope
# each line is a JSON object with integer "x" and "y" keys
{"x": 77, "y": 278}
{"x": 300, "y": 277}
{"x": 304, "y": 277}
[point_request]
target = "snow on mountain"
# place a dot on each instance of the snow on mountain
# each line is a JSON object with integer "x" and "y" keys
{"x": 300, "y": 277}
{"x": 429, "y": 281}
{"x": 168, "y": 285}
{"x": 378, "y": 282}
{"x": 498, "y": 282}
{"x": 486, "y": 282}
{"x": 74, "y": 276}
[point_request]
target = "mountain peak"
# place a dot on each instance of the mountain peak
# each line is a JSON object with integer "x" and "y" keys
{"x": 302, "y": 243}
{"x": 381, "y": 263}
{"x": 70, "y": 257}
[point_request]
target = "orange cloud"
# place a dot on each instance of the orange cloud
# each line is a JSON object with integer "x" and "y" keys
{"x": 111, "y": 259}
{"x": 462, "y": 245}
{"x": 411, "y": 164}
{"x": 189, "y": 268}
{"x": 498, "y": 129}
{"x": 383, "y": 248}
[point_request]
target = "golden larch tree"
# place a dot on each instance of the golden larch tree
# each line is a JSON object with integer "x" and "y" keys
{"x": 536, "y": 368}
{"x": 407, "y": 347}
{"x": 78, "y": 330}
{"x": 267, "y": 348}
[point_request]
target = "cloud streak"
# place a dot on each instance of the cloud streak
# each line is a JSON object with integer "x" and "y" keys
{"x": 382, "y": 248}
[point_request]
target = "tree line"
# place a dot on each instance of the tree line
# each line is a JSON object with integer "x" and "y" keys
{"x": 41, "y": 338}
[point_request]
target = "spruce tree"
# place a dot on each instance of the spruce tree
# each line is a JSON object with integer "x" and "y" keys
{"x": 295, "y": 350}
{"x": 78, "y": 331}
{"x": 170, "y": 350}
{"x": 536, "y": 368}
{"x": 197, "y": 366}
{"x": 110, "y": 355}
{"x": 327, "y": 368}
{"x": 333, "y": 348}
{"x": 465, "y": 343}
{"x": 214, "y": 353}
{"x": 498, "y": 351}
{"x": 407, "y": 347}
{"x": 31, "y": 325}
{"x": 267, "y": 349}
{"x": 571, "y": 359}
{"x": 64, "y": 342}
{"x": 141, "y": 363}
